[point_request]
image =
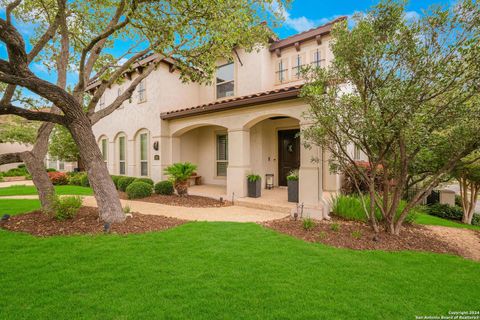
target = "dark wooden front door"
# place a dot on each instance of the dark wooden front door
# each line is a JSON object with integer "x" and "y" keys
{"x": 288, "y": 154}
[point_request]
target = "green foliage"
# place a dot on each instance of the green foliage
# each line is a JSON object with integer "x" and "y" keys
{"x": 335, "y": 227}
{"x": 115, "y": 180}
{"x": 180, "y": 171}
{"x": 293, "y": 175}
{"x": 14, "y": 129}
{"x": 351, "y": 208}
{"x": 66, "y": 207}
{"x": 404, "y": 93}
{"x": 62, "y": 146}
{"x": 308, "y": 224}
{"x": 75, "y": 178}
{"x": 138, "y": 189}
{"x": 15, "y": 172}
{"x": 164, "y": 188}
{"x": 146, "y": 180}
{"x": 253, "y": 177}
{"x": 127, "y": 209}
{"x": 51, "y": 170}
{"x": 124, "y": 182}
{"x": 84, "y": 180}
{"x": 445, "y": 211}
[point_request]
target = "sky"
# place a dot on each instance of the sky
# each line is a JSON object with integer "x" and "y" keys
{"x": 300, "y": 16}
{"x": 306, "y": 14}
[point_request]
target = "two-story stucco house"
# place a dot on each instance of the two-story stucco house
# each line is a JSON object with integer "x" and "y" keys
{"x": 246, "y": 122}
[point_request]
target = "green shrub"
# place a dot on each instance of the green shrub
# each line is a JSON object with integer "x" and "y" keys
{"x": 22, "y": 165}
{"x": 476, "y": 219}
{"x": 51, "y": 170}
{"x": 293, "y": 175}
{"x": 137, "y": 190}
{"x": 115, "y": 180}
{"x": 308, "y": 224}
{"x": 164, "y": 187}
{"x": 66, "y": 207}
{"x": 126, "y": 209}
{"x": 351, "y": 208}
{"x": 146, "y": 180}
{"x": 124, "y": 182}
{"x": 58, "y": 178}
{"x": 84, "y": 180}
{"x": 445, "y": 211}
{"x": 458, "y": 200}
{"x": 75, "y": 178}
{"x": 16, "y": 172}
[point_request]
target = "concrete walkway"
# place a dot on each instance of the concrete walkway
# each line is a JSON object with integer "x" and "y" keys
{"x": 232, "y": 213}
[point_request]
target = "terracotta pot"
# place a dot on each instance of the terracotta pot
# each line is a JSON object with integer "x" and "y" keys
{"x": 182, "y": 187}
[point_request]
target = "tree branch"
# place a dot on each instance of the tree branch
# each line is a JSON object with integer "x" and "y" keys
{"x": 32, "y": 115}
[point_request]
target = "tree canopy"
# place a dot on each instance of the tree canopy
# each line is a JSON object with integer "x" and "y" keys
{"x": 406, "y": 93}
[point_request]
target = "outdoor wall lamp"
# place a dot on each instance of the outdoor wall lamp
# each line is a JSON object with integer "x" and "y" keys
{"x": 269, "y": 181}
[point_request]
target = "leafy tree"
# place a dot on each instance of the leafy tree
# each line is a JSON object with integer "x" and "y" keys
{"x": 77, "y": 34}
{"x": 14, "y": 129}
{"x": 62, "y": 146}
{"x": 404, "y": 92}
{"x": 467, "y": 173}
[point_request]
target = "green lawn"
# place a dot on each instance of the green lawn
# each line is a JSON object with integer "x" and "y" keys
{"x": 22, "y": 190}
{"x": 14, "y": 206}
{"x": 436, "y": 221}
{"x": 223, "y": 271}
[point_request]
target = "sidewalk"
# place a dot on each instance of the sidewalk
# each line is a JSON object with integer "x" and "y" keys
{"x": 232, "y": 213}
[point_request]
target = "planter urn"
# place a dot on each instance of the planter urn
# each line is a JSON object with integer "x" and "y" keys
{"x": 255, "y": 188}
{"x": 292, "y": 191}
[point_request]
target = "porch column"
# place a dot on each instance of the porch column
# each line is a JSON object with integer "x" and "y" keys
{"x": 238, "y": 162}
{"x": 310, "y": 181}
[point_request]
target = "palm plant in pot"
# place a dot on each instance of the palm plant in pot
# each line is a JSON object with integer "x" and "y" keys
{"x": 254, "y": 185}
{"x": 179, "y": 174}
{"x": 292, "y": 182}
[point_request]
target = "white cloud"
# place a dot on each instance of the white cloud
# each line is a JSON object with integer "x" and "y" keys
{"x": 412, "y": 15}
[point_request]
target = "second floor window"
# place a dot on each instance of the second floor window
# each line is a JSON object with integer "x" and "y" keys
{"x": 297, "y": 66}
{"x": 317, "y": 60}
{"x": 142, "y": 91}
{"x": 281, "y": 71}
{"x": 225, "y": 80}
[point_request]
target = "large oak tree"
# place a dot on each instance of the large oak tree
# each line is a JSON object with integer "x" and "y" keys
{"x": 79, "y": 36}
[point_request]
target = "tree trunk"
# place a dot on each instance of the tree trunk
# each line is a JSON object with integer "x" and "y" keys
{"x": 46, "y": 191}
{"x": 110, "y": 208}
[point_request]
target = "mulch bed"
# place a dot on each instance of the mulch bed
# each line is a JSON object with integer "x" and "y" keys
{"x": 86, "y": 221}
{"x": 359, "y": 236}
{"x": 175, "y": 200}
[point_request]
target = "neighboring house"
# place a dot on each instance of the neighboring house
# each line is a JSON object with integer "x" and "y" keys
{"x": 246, "y": 122}
{"x": 8, "y": 147}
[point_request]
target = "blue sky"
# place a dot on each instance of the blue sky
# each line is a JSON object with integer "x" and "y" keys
{"x": 306, "y": 14}
{"x": 300, "y": 16}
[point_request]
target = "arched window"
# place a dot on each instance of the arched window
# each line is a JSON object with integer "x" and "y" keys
{"x": 103, "y": 145}
{"x": 121, "y": 149}
{"x": 142, "y": 143}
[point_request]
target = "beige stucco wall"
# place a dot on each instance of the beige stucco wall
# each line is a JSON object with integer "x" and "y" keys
{"x": 12, "y": 147}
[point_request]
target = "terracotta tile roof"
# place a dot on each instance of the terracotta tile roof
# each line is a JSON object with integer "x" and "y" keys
{"x": 281, "y": 94}
{"x": 306, "y": 35}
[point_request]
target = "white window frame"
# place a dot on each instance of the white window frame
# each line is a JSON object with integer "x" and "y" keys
{"x": 217, "y": 160}
{"x": 225, "y": 82}
{"x": 120, "y": 161}
{"x": 141, "y": 161}
{"x": 104, "y": 152}
{"x": 142, "y": 91}
{"x": 356, "y": 152}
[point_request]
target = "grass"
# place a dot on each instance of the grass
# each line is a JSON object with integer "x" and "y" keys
{"x": 14, "y": 206}
{"x": 23, "y": 190}
{"x": 437, "y": 221}
{"x": 223, "y": 271}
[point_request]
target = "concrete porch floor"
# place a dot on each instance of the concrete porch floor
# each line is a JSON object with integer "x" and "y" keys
{"x": 275, "y": 199}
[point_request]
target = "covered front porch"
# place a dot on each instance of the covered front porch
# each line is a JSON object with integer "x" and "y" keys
{"x": 228, "y": 146}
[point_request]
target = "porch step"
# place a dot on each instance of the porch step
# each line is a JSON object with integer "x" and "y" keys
{"x": 248, "y": 203}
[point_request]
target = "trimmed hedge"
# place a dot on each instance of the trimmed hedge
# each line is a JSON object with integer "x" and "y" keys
{"x": 165, "y": 188}
{"x": 124, "y": 182}
{"x": 146, "y": 180}
{"x": 445, "y": 211}
{"x": 139, "y": 189}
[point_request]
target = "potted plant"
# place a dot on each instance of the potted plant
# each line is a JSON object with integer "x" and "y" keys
{"x": 254, "y": 185}
{"x": 292, "y": 181}
{"x": 179, "y": 174}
